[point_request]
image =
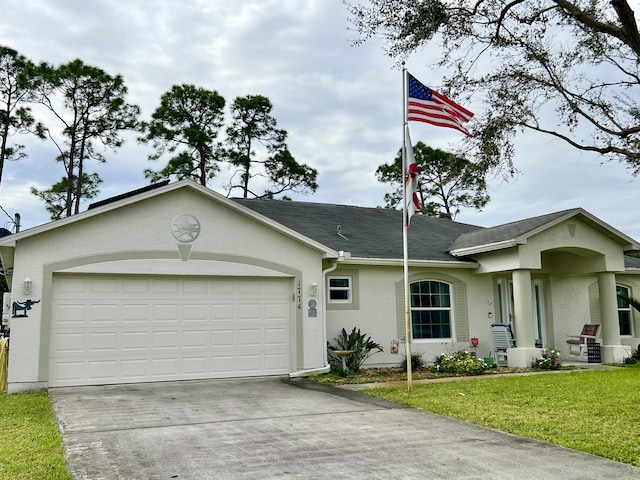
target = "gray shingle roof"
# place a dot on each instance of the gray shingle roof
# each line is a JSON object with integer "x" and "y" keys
{"x": 365, "y": 232}
{"x": 508, "y": 231}
{"x": 631, "y": 262}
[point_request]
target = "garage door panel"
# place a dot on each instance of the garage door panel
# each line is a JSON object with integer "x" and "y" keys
{"x": 223, "y": 365}
{"x": 68, "y": 342}
{"x": 167, "y": 340}
{"x": 165, "y": 313}
{"x": 223, "y": 338}
{"x": 104, "y": 314}
{"x": 126, "y": 329}
{"x": 276, "y": 336}
{"x": 134, "y": 370}
{"x": 105, "y": 286}
{"x": 164, "y": 368}
{"x": 70, "y": 314}
{"x": 274, "y": 311}
{"x": 163, "y": 286}
{"x": 102, "y": 342}
{"x": 195, "y": 287}
{"x": 195, "y": 367}
{"x": 223, "y": 312}
{"x": 195, "y": 313}
{"x": 69, "y": 373}
{"x": 104, "y": 370}
{"x": 275, "y": 362}
{"x": 136, "y": 313}
{"x": 132, "y": 341}
{"x": 249, "y": 337}
{"x": 132, "y": 285}
{"x": 194, "y": 339}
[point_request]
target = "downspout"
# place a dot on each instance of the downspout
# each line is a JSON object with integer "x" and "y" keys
{"x": 327, "y": 367}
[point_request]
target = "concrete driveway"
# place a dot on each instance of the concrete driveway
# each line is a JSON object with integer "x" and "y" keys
{"x": 269, "y": 428}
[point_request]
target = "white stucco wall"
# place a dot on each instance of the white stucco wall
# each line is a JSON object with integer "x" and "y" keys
{"x": 570, "y": 307}
{"x": 137, "y": 239}
{"x": 377, "y": 312}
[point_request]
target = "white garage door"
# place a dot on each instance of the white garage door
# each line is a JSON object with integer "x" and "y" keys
{"x": 113, "y": 329}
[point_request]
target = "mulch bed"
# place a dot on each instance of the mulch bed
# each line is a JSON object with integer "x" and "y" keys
{"x": 389, "y": 374}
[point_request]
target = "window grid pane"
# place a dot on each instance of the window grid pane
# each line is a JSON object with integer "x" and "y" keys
{"x": 340, "y": 290}
{"x": 430, "y": 309}
{"x": 624, "y": 311}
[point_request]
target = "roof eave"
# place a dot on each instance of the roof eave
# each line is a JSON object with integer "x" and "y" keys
{"x": 395, "y": 262}
{"x": 490, "y": 247}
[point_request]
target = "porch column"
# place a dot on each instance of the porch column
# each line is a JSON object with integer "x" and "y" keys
{"x": 524, "y": 328}
{"x": 611, "y": 350}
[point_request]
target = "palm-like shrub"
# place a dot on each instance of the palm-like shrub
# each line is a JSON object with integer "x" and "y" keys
{"x": 359, "y": 343}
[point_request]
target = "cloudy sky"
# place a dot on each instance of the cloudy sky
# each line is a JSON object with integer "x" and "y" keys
{"x": 342, "y": 105}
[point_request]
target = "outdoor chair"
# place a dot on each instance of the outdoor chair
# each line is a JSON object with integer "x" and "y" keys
{"x": 578, "y": 344}
{"x": 502, "y": 341}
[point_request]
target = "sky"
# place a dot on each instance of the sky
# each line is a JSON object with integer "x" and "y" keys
{"x": 340, "y": 104}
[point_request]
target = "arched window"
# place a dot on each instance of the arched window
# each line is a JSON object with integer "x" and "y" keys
{"x": 431, "y": 313}
{"x": 625, "y": 315}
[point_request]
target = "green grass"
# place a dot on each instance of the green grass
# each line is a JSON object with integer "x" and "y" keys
{"x": 30, "y": 444}
{"x": 596, "y": 412}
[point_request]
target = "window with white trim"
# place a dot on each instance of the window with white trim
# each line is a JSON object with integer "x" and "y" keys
{"x": 431, "y": 312}
{"x": 625, "y": 314}
{"x": 340, "y": 289}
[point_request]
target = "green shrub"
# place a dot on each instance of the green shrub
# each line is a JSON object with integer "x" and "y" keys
{"x": 460, "y": 363}
{"x": 549, "y": 360}
{"x": 417, "y": 362}
{"x": 359, "y": 343}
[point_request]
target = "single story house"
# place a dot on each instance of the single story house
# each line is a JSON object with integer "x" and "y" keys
{"x": 175, "y": 282}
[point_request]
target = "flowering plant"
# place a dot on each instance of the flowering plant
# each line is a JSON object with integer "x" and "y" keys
{"x": 460, "y": 363}
{"x": 549, "y": 360}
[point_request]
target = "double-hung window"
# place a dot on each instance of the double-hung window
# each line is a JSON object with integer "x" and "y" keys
{"x": 625, "y": 316}
{"x": 431, "y": 313}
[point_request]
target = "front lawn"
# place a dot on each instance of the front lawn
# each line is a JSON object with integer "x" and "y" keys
{"x": 30, "y": 444}
{"x": 593, "y": 411}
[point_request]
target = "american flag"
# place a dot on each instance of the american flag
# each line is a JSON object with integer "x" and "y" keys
{"x": 426, "y": 105}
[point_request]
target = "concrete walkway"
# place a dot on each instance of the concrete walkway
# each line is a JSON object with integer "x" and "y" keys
{"x": 269, "y": 428}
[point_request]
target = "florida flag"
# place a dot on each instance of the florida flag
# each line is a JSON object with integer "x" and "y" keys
{"x": 428, "y": 106}
{"x": 411, "y": 179}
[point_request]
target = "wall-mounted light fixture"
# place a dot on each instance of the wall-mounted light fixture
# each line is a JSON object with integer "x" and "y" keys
{"x": 27, "y": 284}
{"x": 314, "y": 289}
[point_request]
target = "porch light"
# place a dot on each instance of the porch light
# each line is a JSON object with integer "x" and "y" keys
{"x": 314, "y": 289}
{"x": 27, "y": 284}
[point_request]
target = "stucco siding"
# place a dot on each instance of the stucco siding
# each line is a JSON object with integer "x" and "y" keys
{"x": 571, "y": 308}
{"x": 381, "y": 312}
{"x": 137, "y": 239}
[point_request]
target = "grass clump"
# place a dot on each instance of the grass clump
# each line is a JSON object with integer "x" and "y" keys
{"x": 417, "y": 362}
{"x": 30, "y": 443}
{"x": 594, "y": 412}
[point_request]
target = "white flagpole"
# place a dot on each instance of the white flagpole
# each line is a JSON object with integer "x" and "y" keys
{"x": 405, "y": 222}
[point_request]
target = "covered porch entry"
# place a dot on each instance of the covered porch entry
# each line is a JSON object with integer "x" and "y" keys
{"x": 552, "y": 275}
